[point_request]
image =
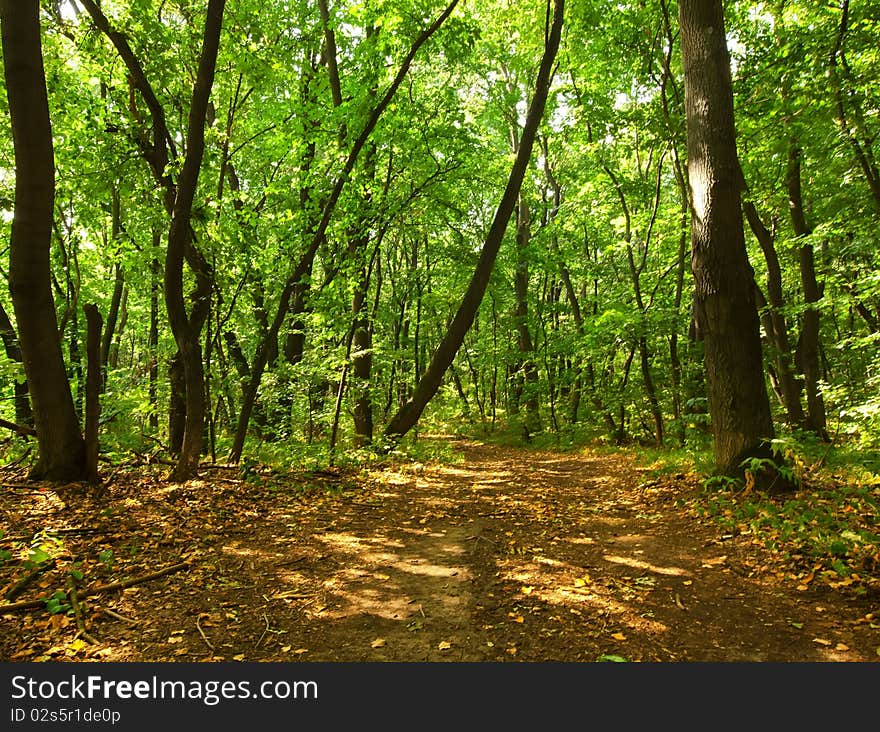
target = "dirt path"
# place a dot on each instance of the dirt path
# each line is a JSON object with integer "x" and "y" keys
{"x": 510, "y": 555}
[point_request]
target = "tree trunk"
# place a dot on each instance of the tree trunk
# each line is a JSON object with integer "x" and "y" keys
{"x": 775, "y": 324}
{"x": 153, "y": 337}
{"x": 23, "y": 413}
{"x": 94, "y": 383}
{"x": 724, "y": 297}
{"x": 185, "y": 334}
{"x": 62, "y": 449}
{"x": 807, "y": 352}
{"x": 406, "y": 418}
{"x": 527, "y": 374}
{"x": 305, "y": 262}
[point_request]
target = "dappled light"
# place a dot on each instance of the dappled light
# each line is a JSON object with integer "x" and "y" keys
{"x": 511, "y": 555}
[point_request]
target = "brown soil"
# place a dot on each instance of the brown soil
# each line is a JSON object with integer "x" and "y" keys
{"x": 509, "y": 555}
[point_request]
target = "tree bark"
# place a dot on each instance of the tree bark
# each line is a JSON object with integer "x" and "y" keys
{"x": 94, "y": 383}
{"x": 775, "y": 323}
{"x": 62, "y": 449}
{"x": 724, "y": 297}
{"x": 185, "y": 334}
{"x": 23, "y": 413}
{"x": 807, "y": 352}
{"x": 407, "y": 416}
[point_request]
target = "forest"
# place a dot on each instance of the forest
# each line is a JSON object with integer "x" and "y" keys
{"x": 573, "y": 307}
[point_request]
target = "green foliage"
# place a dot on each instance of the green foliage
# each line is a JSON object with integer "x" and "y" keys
{"x": 58, "y": 603}
{"x": 833, "y": 527}
{"x": 605, "y": 193}
{"x": 106, "y": 558}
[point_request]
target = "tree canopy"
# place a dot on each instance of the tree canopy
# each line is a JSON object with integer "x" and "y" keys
{"x": 279, "y": 208}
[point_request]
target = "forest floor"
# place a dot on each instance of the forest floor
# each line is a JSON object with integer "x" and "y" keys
{"x": 506, "y": 555}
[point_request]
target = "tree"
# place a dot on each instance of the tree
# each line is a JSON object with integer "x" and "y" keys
{"x": 407, "y": 416}
{"x": 62, "y": 448}
{"x": 724, "y": 297}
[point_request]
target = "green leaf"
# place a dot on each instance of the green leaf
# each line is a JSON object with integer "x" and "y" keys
{"x": 611, "y": 658}
{"x": 38, "y": 556}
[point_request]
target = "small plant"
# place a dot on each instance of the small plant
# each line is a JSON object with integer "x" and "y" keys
{"x": 36, "y": 557}
{"x": 105, "y": 557}
{"x": 722, "y": 483}
{"x": 58, "y": 603}
{"x": 5, "y": 555}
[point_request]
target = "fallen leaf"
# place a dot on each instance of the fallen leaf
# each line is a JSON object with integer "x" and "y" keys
{"x": 715, "y": 561}
{"x": 526, "y": 590}
{"x": 239, "y": 657}
{"x": 444, "y": 646}
{"x": 300, "y": 651}
{"x": 822, "y": 641}
{"x": 841, "y": 647}
{"x": 793, "y": 624}
{"x": 285, "y": 649}
{"x": 512, "y": 650}
{"x": 378, "y": 643}
{"x": 618, "y": 636}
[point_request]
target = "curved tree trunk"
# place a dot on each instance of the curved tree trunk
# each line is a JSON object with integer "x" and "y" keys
{"x": 724, "y": 298}
{"x": 186, "y": 334}
{"x": 407, "y": 416}
{"x": 62, "y": 448}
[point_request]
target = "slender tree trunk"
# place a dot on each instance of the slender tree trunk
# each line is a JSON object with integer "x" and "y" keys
{"x": 406, "y": 418}
{"x": 185, "y": 334}
{"x": 153, "y": 337}
{"x": 775, "y": 324}
{"x": 94, "y": 381}
{"x": 807, "y": 353}
{"x": 307, "y": 258}
{"x": 62, "y": 448}
{"x": 724, "y": 297}
{"x": 118, "y": 286}
{"x": 524, "y": 344}
{"x": 23, "y": 413}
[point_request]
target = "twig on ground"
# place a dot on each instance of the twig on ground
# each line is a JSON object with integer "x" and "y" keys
{"x": 114, "y": 614}
{"x": 202, "y": 632}
{"x": 22, "y": 584}
{"x": 77, "y": 611}
{"x": 257, "y": 644}
{"x": 100, "y": 589}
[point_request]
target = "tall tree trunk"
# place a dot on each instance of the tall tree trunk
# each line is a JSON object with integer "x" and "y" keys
{"x": 118, "y": 286}
{"x": 807, "y": 352}
{"x": 724, "y": 297}
{"x": 185, "y": 334}
{"x": 23, "y": 413}
{"x": 524, "y": 344}
{"x": 62, "y": 448}
{"x": 775, "y": 325}
{"x": 94, "y": 381}
{"x": 153, "y": 335}
{"x": 406, "y": 417}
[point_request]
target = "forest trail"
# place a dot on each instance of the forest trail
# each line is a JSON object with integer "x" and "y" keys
{"x": 509, "y": 555}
